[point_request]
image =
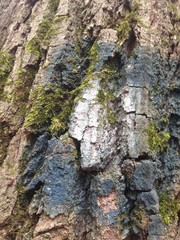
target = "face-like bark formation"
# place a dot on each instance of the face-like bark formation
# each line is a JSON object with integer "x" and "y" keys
{"x": 89, "y": 113}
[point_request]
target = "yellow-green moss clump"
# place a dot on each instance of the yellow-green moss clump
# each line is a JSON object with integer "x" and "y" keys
{"x": 49, "y": 109}
{"x": 168, "y": 208}
{"x": 157, "y": 140}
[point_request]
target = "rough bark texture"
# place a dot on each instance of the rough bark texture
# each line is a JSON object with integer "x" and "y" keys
{"x": 90, "y": 117}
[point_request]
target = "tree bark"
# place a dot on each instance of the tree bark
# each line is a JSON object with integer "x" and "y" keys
{"x": 90, "y": 115}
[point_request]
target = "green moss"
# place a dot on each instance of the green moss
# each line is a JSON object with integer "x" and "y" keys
{"x": 91, "y": 73}
{"x": 44, "y": 26}
{"x": 76, "y": 93}
{"x": 37, "y": 43}
{"x": 6, "y": 64}
{"x": 94, "y": 57}
{"x": 45, "y": 31}
{"x": 155, "y": 88}
{"x": 157, "y": 140}
{"x": 130, "y": 19}
{"x": 165, "y": 119}
{"x": 168, "y": 208}
{"x": 33, "y": 46}
{"x": 111, "y": 116}
{"x": 20, "y": 89}
{"x": 59, "y": 19}
{"x": 59, "y": 122}
{"x": 45, "y": 105}
{"x": 123, "y": 31}
{"x": 51, "y": 107}
{"x": 136, "y": 5}
{"x": 105, "y": 95}
{"x": 138, "y": 217}
{"x": 176, "y": 33}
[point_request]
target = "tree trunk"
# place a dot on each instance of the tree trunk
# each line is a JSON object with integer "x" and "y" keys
{"x": 90, "y": 116}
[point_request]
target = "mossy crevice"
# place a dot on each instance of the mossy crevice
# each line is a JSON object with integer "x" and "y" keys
{"x": 90, "y": 73}
{"x": 105, "y": 97}
{"x": 109, "y": 75}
